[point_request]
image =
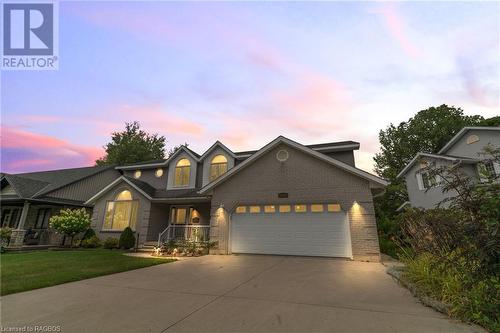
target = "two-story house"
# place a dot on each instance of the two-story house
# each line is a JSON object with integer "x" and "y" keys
{"x": 285, "y": 198}
{"x": 464, "y": 150}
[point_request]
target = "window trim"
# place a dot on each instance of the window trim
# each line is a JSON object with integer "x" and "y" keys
{"x": 217, "y": 165}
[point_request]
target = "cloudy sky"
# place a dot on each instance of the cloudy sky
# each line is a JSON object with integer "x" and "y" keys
{"x": 245, "y": 73}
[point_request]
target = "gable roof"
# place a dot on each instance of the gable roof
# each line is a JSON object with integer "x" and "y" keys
{"x": 35, "y": 184}
{"x": 148, "y": 191}
{"x": 461, "y": 133}
{"x": 438, "y": 156}
{"x": 281, "y": 139}
{"x": 214, "y": 146}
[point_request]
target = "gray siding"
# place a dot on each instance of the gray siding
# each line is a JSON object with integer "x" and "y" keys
{"x": 433, "y": 197}
{"x": 84, "y": 189}
{"x": 306, "y": 180}
{"x": 462, "y": 149}
{"x": 343, "y": 156}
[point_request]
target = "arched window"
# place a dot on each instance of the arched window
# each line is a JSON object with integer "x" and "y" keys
{"x": 124, "y": 195}
{"x": 121, "y": 213}
{"x": 182, "y": 172}
{"x": 218, "y": 167}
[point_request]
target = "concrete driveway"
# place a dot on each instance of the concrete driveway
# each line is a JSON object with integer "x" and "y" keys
{"x": 232, "y": 294}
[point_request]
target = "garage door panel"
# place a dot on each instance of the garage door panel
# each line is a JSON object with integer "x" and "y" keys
{"x": 312, "y": 234}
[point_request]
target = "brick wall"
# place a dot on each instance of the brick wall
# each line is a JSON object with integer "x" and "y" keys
{"x": 306, "y": 179}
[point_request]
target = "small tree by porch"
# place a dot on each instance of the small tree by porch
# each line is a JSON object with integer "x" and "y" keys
{"x": 70, "y": 222}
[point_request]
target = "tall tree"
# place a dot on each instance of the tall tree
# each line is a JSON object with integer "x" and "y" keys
{"x": 133, "y": 145}
{"x": 428, "y": 131}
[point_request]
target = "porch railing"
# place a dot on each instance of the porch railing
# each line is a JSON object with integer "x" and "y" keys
{"x": 195, "y": 233}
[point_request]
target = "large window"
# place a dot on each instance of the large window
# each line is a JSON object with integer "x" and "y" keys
{"x": 42, "y": 218}
{"x": 218, "y": 167}
{"x": 10, "y": 217}
{"x": 121, "y": 213}
{"x": 182, "y": 171}
{"x": 428, "y": 181}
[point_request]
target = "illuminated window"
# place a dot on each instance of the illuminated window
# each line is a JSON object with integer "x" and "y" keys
{"x": 159, "y": 173}
{"x": 270, "y": 209}
{"x": 317, "y": 208}
{"x": 182, "y": 171}
{"x": 285, "y": 209}
{"x": 254, "y": 209}
{"x": 121, "y": 213}
{"x": 472, "y": 139}
{"x": 124, "y": 195}
{"x": 179, "y": 215}
{"x": 241, "y": 209}
{"x": 137, "y": 174}
{"x": 333, "y": 207}
{"x": 218, "y": 167}
{"x": 300, "y": 208}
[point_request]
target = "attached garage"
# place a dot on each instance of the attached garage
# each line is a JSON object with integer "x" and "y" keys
{"x": 306, "y": 230}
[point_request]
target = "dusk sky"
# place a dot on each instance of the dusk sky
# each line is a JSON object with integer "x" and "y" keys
{"x": 244, "y": 73}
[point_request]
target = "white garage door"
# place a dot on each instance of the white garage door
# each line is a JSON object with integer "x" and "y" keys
{"x": 291, "y": 230}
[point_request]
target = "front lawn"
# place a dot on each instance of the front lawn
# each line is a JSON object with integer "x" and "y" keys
{"x": 38, "y": 269}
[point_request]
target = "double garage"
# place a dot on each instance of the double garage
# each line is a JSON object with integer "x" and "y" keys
{"x": 295, "y": 229}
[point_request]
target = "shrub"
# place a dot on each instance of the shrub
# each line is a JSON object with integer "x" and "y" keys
{"x": 127, "y": 239}
{"x": 5, "y": 234}
{"x": 91, "y": 242}
{"x": 70, "y": 222}
{"x": 88, "y": 233}
{"x": 110, "y": 243}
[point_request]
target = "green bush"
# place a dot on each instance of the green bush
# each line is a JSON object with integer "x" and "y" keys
{"x": 70, "y": 222}
{"x": 470, "y": 298}
{"x": 91, "y": 242}
{"x": 88, "y": 233}
{"x": 127, "y": 239}
{"x": 110, "y": 243}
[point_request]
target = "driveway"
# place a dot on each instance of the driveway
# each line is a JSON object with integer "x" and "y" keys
{"x": 232, "y": 294}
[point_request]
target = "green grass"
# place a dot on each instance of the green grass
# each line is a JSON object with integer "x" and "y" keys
{"x": 38, "y": 269}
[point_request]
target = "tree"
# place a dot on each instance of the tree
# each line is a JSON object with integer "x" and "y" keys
{"x": 133, "y": 145}
{"x": 428, "y": 131}
{"x": 493, "y": 121}
{"x": 70, "y": 222}
{"x": 173, "y": 150}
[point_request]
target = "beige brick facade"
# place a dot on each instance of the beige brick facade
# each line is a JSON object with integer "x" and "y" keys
{"x": 306, "y": 179}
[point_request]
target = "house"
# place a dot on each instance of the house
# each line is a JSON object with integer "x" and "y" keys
{"x": 28, "y": 200}
{"x": 285, "y": 198}
{"x": 464, "y": 151}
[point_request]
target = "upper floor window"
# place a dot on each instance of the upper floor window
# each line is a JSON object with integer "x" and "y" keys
{"x": 137, "y": 174}
{"x": 218, "y": 167}
{"x": 486, "y": 170}
{"x": 121, "y": 213}
{"x": 182, "y": 172}
{"x": 428, "y": 180}
{"x": 159, "y": 172}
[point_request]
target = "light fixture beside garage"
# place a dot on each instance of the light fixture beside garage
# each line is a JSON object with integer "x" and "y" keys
{"x": 282, "y": 155}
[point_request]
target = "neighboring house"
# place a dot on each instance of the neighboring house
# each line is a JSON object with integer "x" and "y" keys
{"x": 464, "y": 151}
{"x": 28, "y": 200}
{"x": 285, "y": 198}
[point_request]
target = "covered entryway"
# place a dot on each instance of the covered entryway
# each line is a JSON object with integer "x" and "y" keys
{"x": 305, "y": 230}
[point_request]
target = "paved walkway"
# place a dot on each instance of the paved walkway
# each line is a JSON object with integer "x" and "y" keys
{"x": 232, "y": 294}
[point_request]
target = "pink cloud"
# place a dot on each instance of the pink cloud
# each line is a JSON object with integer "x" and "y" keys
{"x": 397, "y": 27}
{"x": 26, "y": 151}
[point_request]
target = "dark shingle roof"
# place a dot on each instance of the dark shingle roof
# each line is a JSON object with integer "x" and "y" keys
{"x": 31, "y": 183}
{"x": 142, "y": 185}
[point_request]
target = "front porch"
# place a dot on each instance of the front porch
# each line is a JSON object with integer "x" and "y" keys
{"x": 185, "y": 223}
{"x": 29, "y": 222}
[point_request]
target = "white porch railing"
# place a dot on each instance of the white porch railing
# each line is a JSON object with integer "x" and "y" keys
{"x": 195, "y": 233}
